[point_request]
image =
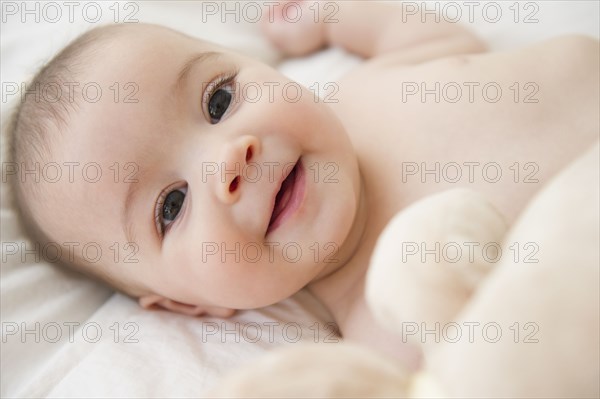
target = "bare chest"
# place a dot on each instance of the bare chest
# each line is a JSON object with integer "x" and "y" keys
{"x": 500, "y": 124}
{"x": 504, "y": 133}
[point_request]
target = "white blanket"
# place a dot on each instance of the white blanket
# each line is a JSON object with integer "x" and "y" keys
{"x": 66, "y": 336}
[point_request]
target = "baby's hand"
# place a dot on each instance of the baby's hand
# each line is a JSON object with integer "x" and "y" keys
{"x": 366, "y": 28}
{"x": 294, "y": 27}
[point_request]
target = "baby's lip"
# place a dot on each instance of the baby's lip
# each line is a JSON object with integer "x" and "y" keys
{"x": 290, "y": 187}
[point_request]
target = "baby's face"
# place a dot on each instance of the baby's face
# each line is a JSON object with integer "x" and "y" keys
{"x": 191, "y": 175}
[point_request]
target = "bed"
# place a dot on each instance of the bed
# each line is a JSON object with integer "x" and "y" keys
{"x": 64, "y": 335}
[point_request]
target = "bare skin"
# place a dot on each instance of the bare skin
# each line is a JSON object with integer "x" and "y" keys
{"x": 532, "y": 133}
{"x": 547, "y": 133}
{"x": 372, "y": 134}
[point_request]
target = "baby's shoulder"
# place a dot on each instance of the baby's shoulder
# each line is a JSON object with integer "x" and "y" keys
{"x": 558, "y": 52}
{"x": 551, "y": 66}
{"x": 578, "y": 45}
{"x": 566, "y": 61}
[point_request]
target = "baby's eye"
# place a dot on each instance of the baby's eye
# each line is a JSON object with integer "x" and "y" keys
{"x": 172, "y": 205}
{"x": 169, "y": 208}
{"x": 219, "y": 102}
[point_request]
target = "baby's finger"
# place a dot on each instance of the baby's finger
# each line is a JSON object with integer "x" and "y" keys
{"x": 286, "y": 10}
{"x": 292, "y": 26}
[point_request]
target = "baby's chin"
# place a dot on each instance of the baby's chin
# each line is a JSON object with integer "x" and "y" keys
{"x": 264, "y": 299}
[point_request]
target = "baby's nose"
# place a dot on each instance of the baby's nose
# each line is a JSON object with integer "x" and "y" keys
{"x": 235, "y": 156}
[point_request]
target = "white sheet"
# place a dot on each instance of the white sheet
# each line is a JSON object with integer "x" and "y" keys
{"x": 175, "y": 355}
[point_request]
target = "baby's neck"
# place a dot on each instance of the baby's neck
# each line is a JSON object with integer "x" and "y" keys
{"x": 341, "y": 286}
{"x": 342, "y": 291}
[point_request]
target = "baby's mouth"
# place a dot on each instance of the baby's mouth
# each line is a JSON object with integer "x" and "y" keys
{"x": 287, "y": 198}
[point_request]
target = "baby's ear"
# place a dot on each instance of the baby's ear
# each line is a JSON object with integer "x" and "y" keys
{"x": 154, "y": 301}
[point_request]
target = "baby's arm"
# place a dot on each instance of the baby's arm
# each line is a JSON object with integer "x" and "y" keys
{"x": 369, "y": 29}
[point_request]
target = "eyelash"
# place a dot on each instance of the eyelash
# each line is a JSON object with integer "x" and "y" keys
{"x": 160, "y": 203}
{"x": 220, "y": 81}
{"x": 211, "y": 89}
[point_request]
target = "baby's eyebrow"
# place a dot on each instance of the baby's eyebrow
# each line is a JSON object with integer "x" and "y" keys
{"x": 198, "y": 58}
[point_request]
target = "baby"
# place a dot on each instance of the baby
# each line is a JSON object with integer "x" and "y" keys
{"x": 226, "y": 200}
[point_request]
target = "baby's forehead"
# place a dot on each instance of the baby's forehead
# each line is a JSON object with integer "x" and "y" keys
{"x": 144, "y": 41}
{"x": 130, "y": 68}
{"x": 147, "y": 45}
{"x": 144, "y": 31}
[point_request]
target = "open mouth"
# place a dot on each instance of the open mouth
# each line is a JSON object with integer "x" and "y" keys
{"x": 289, "y": 197}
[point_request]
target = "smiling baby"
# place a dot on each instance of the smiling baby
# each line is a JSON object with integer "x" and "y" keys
{"x": 230, "y": 200}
